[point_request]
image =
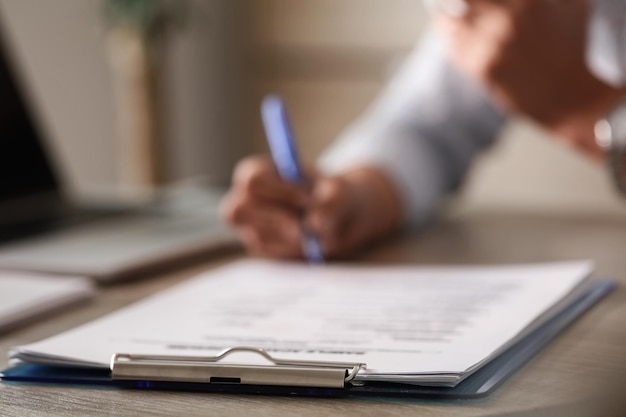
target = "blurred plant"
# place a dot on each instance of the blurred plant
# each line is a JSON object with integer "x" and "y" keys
{"x": 152, "y": 18}
{"x": 137, "y": 30}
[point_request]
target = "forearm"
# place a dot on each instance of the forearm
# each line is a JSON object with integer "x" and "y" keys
{"x": 422, "y": 133}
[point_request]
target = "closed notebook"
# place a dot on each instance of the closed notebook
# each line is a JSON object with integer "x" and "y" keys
{"x": 25, "y": 296}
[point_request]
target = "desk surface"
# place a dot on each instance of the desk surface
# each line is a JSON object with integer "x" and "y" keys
{"x": 583, "y": 372}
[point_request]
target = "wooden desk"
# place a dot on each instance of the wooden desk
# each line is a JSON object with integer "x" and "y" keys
{"x": 582, "y": 373}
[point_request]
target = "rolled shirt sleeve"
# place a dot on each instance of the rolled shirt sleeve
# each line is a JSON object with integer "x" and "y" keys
{"x": 423, "y": 131}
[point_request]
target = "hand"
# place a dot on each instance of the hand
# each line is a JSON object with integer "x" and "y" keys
{"x": 531, "y": 56}
{"x": 346, "y": 211}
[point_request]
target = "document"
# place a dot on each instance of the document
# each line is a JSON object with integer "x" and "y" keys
{"x": 410, "y": 324}
{"x": 24, "y": 296}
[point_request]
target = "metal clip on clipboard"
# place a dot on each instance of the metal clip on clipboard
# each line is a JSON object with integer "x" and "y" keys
{"x": 295, "y": 373}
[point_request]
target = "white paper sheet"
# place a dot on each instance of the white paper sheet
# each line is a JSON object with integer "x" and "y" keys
{"x": 424, "y": 324}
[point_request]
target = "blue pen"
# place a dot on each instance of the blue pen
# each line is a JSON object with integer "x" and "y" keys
{"x": 284, "y": 150}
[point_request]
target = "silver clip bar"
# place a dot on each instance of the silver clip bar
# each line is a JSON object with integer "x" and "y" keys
{"x": 126, "y": 366}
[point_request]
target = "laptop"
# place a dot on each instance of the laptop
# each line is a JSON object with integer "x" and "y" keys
{"x": 42, "y": 229}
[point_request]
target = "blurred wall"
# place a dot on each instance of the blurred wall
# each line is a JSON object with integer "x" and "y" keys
{"x": 329, "y": 58}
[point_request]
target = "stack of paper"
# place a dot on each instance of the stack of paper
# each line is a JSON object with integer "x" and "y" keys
{"x": 416, "y": 325}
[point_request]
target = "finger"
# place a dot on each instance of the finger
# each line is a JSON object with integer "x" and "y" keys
{"x": 243, "y": 209}
{"x": 277, "y": 250}
{"x": 236, "y": 206}
{"x": 273, "y": 233}
{"x": 479, "y": 44}
{"x": 256, "y": 244}
{"x": 257, "y": 176}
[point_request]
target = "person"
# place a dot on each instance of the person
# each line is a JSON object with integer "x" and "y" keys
{"x": 561, "y": 63}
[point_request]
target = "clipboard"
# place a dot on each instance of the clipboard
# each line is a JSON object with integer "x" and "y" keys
{"x": 303, "y": 378}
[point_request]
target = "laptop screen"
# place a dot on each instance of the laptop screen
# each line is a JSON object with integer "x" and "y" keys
{"x": 25, "y": 170}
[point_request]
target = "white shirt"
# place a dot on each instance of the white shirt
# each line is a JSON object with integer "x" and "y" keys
{"x": 430, "y": 122}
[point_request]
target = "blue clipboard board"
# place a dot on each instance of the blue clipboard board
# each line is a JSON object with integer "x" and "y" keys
{"x": 480, "y": 384}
